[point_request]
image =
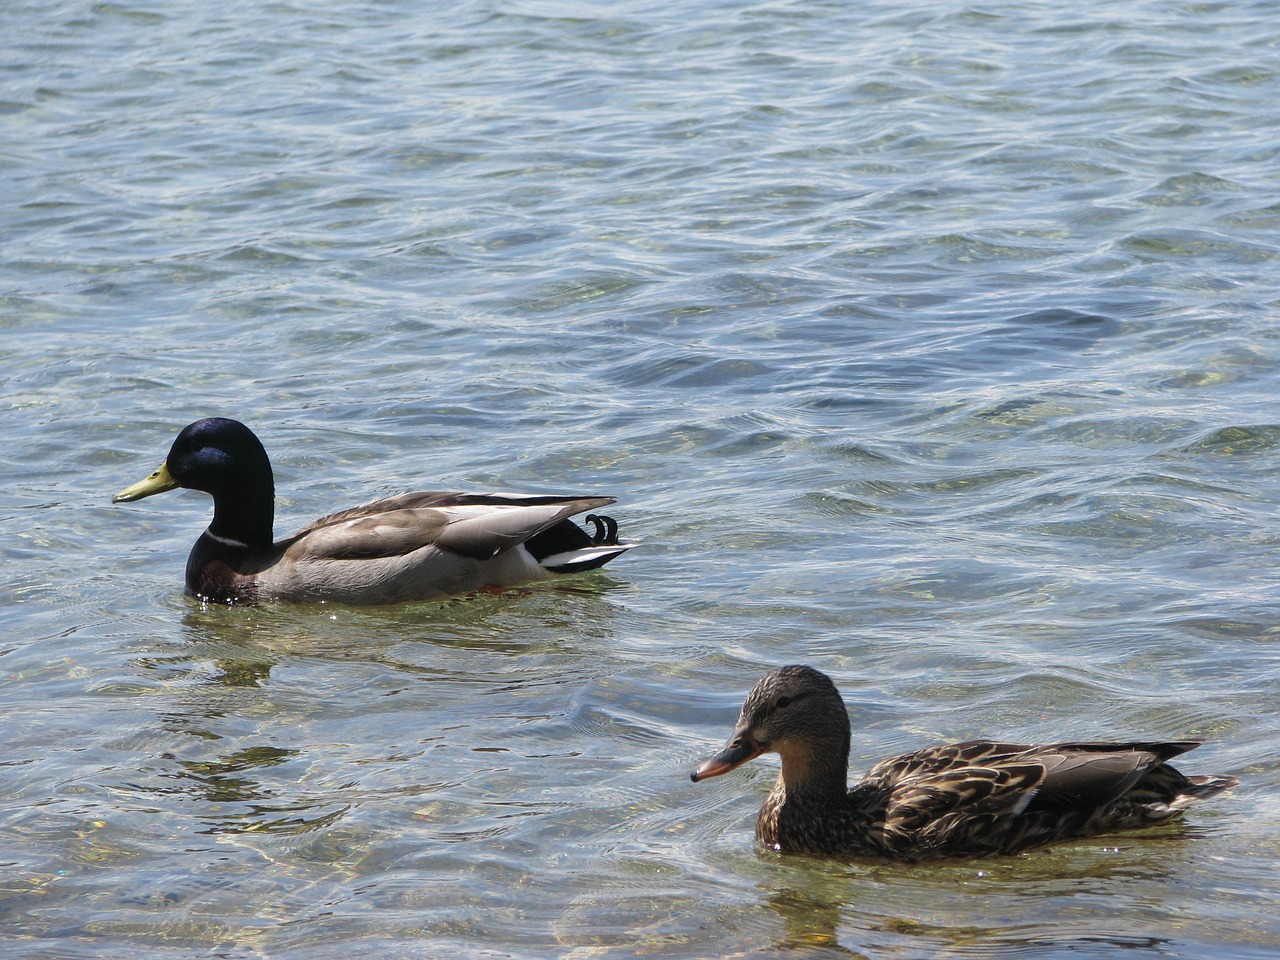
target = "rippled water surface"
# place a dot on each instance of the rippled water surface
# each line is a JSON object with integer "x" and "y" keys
{"x": 933, "y": 345}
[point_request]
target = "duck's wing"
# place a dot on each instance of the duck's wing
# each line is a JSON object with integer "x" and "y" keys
{"x": 979, "y": 777}
{"x": 985, "y": 796}
{"x": 477, "y": 526}
{"x": 1089, "y": 775}
{"x": 944, "y": 758}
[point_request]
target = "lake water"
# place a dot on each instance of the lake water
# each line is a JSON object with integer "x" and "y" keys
{"x": 933, "y": 345}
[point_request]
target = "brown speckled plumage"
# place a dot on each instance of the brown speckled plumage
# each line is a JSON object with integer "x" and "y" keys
{"x": 966, "y": 799}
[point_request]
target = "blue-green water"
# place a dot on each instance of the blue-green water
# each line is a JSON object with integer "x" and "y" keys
{"x": 935, "y": 346}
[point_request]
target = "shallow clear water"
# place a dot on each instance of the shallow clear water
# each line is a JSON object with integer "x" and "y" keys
{"x": 934, "y": 346}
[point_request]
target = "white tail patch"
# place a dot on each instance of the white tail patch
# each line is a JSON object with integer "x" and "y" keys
{"x": 565, "y": 562}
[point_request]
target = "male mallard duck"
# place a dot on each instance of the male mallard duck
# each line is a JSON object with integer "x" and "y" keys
{"x": 959, "y": 800}
{"x": 418, "y": 546}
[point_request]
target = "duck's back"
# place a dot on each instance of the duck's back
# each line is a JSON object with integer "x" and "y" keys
{"x": 982, "y": 798}
{"x": 987, "y": 797}
{"x": 418, "y": 546}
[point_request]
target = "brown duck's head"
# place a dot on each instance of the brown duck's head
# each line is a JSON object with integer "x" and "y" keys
{"x": 794, "y": 711}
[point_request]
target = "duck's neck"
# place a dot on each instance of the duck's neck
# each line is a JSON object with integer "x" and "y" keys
{"x": 809, "y": 811}
{"x": 817, "y": 775}
{"x": 245, "y": 517}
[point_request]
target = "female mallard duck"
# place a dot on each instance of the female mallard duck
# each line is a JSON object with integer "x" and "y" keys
{"x": 418, "y": 546}
{"x": 960, "y": 800}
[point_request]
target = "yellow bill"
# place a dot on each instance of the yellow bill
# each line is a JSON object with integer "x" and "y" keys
{"x": 158, "y": 482}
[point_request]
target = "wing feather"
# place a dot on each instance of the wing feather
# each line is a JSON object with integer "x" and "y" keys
{"x": 477, "y": 526}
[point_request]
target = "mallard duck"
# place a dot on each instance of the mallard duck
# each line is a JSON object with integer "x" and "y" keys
{"x": 964, "y": 799}
{"x": 418, "y": 546}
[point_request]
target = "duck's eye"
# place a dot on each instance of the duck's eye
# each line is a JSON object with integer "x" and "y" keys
{"x": 783, "y": 702}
